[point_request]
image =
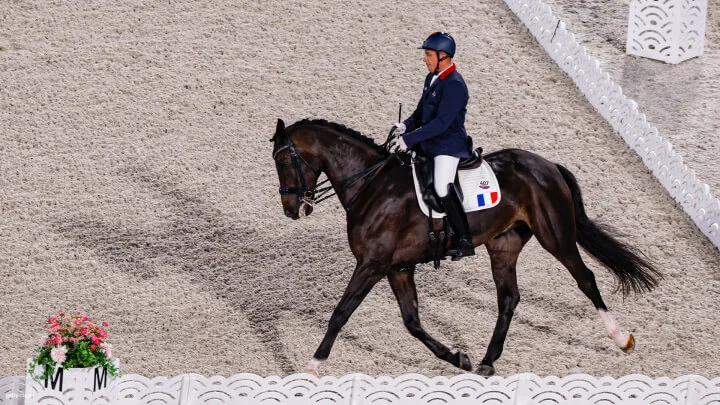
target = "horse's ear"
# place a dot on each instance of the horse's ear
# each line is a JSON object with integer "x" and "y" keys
{"x": 279, "y": 130}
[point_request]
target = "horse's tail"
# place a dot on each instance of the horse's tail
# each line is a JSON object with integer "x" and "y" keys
{"x": 631, "y": 268}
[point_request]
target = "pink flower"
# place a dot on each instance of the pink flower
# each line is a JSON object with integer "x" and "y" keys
{"x": 107, "y": 349}
{"x": 95, "y": 340}
{"x": 43, "y": 341}
{"x": 78, "y": 322}
{"x": 73, "y": 340}
{"x": 58, "y": 354}
{"x": 106, "y": 324}
{"x": 83, "y": 331}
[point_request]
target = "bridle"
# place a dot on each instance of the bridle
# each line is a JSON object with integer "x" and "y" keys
{"x": 308, "y": 194}
{"x": 304, "y": 193}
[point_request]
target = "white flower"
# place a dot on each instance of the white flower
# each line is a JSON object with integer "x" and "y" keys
{"x": 58, "y": 354}
{"x": 107, "y": 349}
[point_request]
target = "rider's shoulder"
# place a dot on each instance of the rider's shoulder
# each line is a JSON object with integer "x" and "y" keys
{"x": 454, "y": 79}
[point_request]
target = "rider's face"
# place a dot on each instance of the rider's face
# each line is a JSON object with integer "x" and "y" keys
{"x": 430, "y": 60}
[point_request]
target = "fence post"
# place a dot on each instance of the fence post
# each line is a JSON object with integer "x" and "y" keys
{"x": 185, "y": 390}
{"x": 522, "y": 390}
{"x": 355, "y": 394}
{"x": 691, "y": 396}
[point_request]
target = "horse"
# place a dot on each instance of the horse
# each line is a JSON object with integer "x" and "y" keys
{"x": 388, "y": 233}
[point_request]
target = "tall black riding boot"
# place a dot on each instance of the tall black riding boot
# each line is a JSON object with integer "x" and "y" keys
{"x": 459, "y": 223}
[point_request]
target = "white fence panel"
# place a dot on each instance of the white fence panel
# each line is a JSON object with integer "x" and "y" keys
{"x": 670, "y": 30}
{"x": 360, "y": 389}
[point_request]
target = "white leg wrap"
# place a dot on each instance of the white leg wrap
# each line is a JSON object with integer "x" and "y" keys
{"x": 313, "y": 367}
{"x": 613, "y": 329}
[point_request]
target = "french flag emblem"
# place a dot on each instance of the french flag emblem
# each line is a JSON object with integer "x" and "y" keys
{"x": 481, "y": 198}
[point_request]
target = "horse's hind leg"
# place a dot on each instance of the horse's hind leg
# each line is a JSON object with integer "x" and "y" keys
{"x": 403, "y": 286}
{"x": 504, "y": 251}
{"x": 586, "y": 282}
{"x": 560, "y": 242}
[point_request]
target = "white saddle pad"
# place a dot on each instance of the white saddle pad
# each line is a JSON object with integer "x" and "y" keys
{"x": 479, "y": 186}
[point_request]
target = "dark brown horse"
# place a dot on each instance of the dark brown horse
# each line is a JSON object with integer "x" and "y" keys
{"x": 388, "y": 233}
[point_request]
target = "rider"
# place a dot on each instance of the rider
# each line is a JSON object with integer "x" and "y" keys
{"x": 437, "y": 128}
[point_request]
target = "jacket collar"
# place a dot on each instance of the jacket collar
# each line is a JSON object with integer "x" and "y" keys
{"x": 445, "y": 73}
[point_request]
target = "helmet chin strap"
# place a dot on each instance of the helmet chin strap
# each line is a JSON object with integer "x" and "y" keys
{"x": 439, "y": 59}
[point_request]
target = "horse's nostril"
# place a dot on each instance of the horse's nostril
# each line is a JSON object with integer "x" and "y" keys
{"x": 288, "y": 213}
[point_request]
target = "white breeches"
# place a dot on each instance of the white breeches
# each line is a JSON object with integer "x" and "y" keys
{"x": 445, "y": 170}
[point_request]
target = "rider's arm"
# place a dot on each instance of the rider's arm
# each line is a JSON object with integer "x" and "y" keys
{"x": 453, "y": 100}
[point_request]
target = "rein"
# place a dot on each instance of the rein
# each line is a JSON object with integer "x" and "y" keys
{"x": 308, "y": 195}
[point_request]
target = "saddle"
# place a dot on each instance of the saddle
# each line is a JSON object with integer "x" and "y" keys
{"x": 425, "y": 167}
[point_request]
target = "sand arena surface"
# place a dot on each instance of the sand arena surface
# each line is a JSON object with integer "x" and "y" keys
{"x": 137, "y": 186}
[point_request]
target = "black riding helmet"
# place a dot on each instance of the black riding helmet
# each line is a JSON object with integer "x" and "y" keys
{"x": 440, "y": 41}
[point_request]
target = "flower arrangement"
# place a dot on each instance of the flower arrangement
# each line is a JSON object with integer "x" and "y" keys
{"x": 72, "y": 342}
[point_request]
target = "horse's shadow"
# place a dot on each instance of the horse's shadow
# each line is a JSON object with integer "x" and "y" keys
{"x": 200, "y": 241}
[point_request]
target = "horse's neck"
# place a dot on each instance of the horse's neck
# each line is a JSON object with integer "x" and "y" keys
{"x": 345, "y": 158}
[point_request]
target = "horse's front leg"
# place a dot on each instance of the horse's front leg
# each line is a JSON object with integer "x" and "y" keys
{"x": 362, "y": 281}
{"x": 403, "y": 286}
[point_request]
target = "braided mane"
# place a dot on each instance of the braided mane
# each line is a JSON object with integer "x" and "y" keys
{"x": 343, "y": 130}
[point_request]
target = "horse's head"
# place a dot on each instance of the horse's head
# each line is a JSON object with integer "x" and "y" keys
{"x": 298, "y": 171}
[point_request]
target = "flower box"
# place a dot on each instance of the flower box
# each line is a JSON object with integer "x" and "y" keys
{"x": 68, "y": 385}
{"x": 72, "y": 364}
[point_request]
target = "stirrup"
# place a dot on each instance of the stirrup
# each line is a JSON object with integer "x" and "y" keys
{"x": 456, "y": 255}
{"x": 459, "y": 252}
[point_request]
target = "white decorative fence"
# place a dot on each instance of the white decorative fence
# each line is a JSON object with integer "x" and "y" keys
{"x": 622, "y": 114}
{"x": 357, "y": 389}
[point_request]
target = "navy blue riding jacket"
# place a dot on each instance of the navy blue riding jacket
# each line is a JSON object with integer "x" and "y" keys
{"x": 438, "y": 123}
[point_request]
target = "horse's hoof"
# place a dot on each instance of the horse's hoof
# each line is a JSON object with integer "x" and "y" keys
{"x": 485, "y": 370}
{"x": 630, "y": 345}
{"x": 463, "y": 361}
